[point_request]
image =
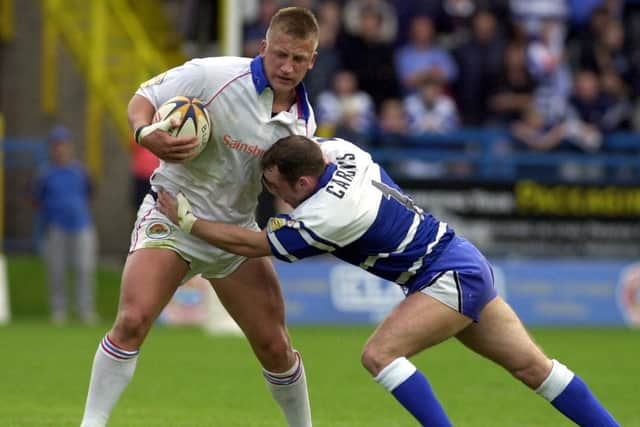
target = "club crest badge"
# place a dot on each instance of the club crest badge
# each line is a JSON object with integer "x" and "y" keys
{"x": 156, "y": 80}
{"x": 276, "y": 223}
{"x": 158, "y": 230}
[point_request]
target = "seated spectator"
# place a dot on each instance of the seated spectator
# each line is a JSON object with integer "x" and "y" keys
{"x": 608, "y": 52}
{"x": 588, "y": 100}
{"x": 480, "y": 61}
{"x": 548, "y": 66}
{"x": 513, "y": 88}
{"x": 392, "y": 124}
{"x": 454, "y": 19}
{"x": 355, "y": 10}
{"x": 535, "y": 134}
{"x": 619, "y": 115}
{"x": 430, "y": 110}
{"x": 365, "y": 50}
{"x": 328, "y": 60}
{"x": 345, "y": 111}
{"x": 393, "y": 130}
{"x": 254, "y": 32}
{"x": 421, "y": 58}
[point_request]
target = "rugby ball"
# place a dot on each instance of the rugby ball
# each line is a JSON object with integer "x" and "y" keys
{"x": 190, "y": 114}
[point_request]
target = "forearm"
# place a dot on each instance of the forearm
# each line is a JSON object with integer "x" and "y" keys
{"x": 232, "y": 238}
{"x": 139, "y": 112}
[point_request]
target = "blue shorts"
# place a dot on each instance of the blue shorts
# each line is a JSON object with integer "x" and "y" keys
{"x": 460, "y": 277}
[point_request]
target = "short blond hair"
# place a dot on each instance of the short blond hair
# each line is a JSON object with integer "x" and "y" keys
{"x": 297, "y": 22}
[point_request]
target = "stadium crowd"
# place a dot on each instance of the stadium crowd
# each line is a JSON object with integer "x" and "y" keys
{"x": 555, "y": 75}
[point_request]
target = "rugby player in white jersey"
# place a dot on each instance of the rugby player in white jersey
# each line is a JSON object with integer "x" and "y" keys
{"x": 251, "y": 103}
{"x": 346, "y": 205}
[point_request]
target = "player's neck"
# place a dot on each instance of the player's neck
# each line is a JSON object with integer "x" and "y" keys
{"x": 283, "y": 101}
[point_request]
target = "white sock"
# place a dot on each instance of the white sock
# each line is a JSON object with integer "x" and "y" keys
{"x": 555, "y": 383}
{"x": 112, "y": 370}
{"x": 289, "y": 389}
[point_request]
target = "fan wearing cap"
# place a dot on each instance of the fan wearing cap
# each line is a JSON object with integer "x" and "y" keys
{"x": 62, "y": 190}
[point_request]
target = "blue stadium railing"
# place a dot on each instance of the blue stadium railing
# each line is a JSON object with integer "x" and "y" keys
{"x": 493, "y": 155}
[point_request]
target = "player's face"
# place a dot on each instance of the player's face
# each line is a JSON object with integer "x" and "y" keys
{"x": 287, "y": 60}
{"x": 279, "y": 187}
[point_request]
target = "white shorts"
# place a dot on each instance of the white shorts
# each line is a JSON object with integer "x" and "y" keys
{"x": 154, "y": 230}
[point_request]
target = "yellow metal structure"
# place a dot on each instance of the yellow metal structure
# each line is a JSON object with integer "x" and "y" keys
{"x": 6, "y": 20}
{"x": 108, "y": 40}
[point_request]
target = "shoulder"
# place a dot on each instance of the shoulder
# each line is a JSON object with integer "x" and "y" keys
{"x": 336, "y": 148}
{"x": 220, "y": 66}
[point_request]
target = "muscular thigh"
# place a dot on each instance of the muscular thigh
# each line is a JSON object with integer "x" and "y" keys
{"x": 253, "y": 297}
{"x": 500, "y": 336}
{"x": 149, "y": 279}
{"x": 417, "y": 323}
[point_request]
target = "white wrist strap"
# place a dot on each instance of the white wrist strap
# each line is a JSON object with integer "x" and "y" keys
{"x": 186, "y": 219}
{"x": 143, "y": 131}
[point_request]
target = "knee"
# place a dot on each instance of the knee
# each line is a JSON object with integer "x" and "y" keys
{"x": 274, "y": 352}
{"x": 131, "y": 327}
{"x": 374, "y": 358}
{"x": 533, "y": 373}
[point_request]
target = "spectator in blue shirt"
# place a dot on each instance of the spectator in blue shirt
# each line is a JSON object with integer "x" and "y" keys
{"x": 421, "y": 58}
{"x": 62, "y": 191}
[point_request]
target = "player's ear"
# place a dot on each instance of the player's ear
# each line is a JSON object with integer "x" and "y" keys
{"x": 307, "y": 183}
{"x": 263, "y": 47}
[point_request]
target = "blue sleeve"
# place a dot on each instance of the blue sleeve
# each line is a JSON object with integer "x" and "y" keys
{"x": 291, "y": 241}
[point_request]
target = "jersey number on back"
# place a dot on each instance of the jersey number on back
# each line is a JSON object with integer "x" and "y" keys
{"x": 403, "y": 199}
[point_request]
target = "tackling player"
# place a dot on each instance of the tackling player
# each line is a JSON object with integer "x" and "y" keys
{"x": 346, "y": 205}
{"x": 251, "y": 103}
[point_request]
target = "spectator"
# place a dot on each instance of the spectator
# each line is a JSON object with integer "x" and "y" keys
{"x": 393, "y": 119}
{"x": 454, "y": 19}
{"x": 62, "y": 190}
{"x": 608, "y": 52}
{"x": 548, "y": 65}
{"x": 393, "y": 131}
{"x": 588, "y": 100}
{"x": 619, "y": 116}
{"x": 513, "y": 89}
{"x": 534, "y": 133}
{"x": 328, "y": 60}
{"x": 421, "y": 58}
{"x": 345, "y": 111}
{"x": 367, "y": 53}
{"x": 430, "y": 110}
{"x": 533, "y": 15}
{"x": 255, "y": 31}
{"x": 479, "y": 61}
{"x": 355, "y": 10}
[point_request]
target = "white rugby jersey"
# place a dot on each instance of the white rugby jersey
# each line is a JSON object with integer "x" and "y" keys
{"x": 360, "y": 215}
{"x": 223, "y": 182}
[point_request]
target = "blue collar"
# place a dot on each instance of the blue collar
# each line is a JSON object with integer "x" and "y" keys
{"x": 260, "y": 81}
{"x": 326, "y": 176}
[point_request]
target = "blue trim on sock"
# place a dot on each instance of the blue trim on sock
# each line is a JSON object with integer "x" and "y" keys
{"x": 580, "y": 405}
{"x": 416, "y": 396}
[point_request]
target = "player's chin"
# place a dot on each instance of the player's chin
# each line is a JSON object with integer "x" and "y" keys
{"x": 283, "y": 84}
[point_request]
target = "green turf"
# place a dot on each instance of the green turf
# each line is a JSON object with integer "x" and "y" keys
{"x": 185, "y": 378}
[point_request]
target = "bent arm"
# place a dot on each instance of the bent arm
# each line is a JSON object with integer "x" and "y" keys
{"x": 232, "y": 238}
{"x": 139, "y": 112}
{"x": 229, "y": 237}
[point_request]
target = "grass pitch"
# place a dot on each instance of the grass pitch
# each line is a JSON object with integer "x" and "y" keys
{"x": 186, "y": 378}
